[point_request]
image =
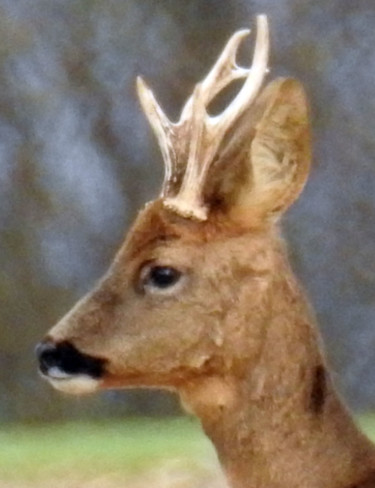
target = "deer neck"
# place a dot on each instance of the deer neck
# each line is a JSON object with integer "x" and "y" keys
{"x": 281, "y": 424}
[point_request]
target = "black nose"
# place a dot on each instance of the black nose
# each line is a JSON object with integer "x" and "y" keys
{"x": 67, "y": 359}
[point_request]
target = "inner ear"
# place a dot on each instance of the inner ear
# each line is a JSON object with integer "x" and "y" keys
{"x": 265, "y": 158}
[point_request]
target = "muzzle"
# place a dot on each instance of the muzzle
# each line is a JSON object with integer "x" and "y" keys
{"x": 67, "y": 369}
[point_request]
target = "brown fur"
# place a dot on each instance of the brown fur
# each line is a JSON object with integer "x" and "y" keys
{"x": 245, "y": 359}
{"x": 237, "y": 340}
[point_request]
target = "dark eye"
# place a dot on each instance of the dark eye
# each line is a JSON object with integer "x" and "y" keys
{"x": 163, "y": 276}
{"x": 160, "y": 279}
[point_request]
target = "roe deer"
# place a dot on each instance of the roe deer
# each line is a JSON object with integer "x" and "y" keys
{"x": 200, "y": 298}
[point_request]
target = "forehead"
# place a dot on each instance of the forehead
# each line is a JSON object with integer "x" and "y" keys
{"x": 156, "y": 225}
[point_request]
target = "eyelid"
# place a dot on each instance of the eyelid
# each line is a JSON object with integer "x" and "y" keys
{"x": 144, "y": 270}
{"x": 169, "y": 291}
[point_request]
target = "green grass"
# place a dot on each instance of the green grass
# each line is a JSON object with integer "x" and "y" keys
{"x": 367, "y": 424}
{"x": 40, "y": 454}
{"x": 46, "y": 452}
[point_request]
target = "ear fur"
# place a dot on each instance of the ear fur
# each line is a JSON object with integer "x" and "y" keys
{"x": 267, "y": 173}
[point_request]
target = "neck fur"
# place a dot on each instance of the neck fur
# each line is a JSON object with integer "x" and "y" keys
{"x": 282, "y": 424}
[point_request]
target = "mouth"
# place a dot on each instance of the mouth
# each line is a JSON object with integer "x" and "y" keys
{"x": 73, "y": 384}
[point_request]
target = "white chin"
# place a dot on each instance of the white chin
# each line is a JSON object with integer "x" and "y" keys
{"x": 74, "y": 385}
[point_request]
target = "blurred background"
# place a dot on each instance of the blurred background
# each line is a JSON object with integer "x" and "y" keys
{"x": 77, "y": 159}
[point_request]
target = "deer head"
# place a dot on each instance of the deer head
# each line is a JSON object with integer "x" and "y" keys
{"x": 192, "y": 287}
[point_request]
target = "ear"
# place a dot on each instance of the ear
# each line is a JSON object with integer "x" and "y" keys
{"x": 268, "y": 173}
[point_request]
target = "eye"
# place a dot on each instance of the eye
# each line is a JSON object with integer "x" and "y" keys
{"x": 160, "y": 279}
{"x": 163, "y": 276}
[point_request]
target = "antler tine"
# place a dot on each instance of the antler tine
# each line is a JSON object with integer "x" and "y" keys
{"x": 221, "y": 75}
{"x": 225, "y": 69}
{"x": 254, "y": 81}
{"x": 162, "y": 127}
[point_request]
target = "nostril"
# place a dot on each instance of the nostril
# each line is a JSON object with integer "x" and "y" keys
{"x": 48, "y": 356}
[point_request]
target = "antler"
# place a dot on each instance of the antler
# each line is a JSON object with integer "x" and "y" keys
{"x": 190, "y": 145}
